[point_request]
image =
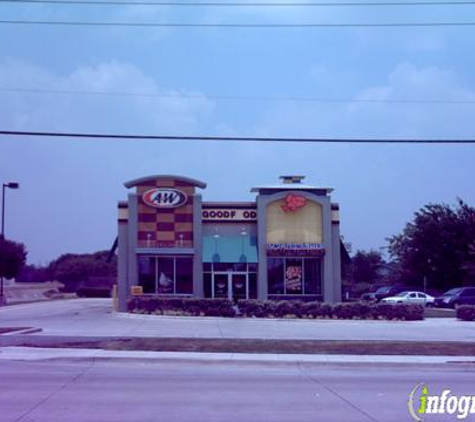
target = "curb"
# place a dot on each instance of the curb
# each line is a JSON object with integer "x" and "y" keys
{"x": 11, "y": 353}
{"x": 138, "y": 316}
{"x": 30, "y": 330}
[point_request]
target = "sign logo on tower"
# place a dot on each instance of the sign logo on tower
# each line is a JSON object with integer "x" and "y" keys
{"x": 164, "y": 198}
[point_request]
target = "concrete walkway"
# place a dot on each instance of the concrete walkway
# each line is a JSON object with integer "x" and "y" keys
{"x": 95, "y": 318}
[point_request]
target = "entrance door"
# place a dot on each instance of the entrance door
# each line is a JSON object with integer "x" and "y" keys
{"x": 239, "y": 286}
{"x": 230, "y": 285}
{"x": 221, "y": 286}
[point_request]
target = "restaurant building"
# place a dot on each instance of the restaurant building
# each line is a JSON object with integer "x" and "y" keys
{"x": 283, "y": 245}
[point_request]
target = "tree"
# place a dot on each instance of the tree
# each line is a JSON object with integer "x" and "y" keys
{"x": 364, "y": 271}
{"x": 366, "y": 267}
{"x": 12, "y": 258}
{"x": 33, "y": 274}
{"x": 72, "y": 269}
{"x": 436, "y": 246}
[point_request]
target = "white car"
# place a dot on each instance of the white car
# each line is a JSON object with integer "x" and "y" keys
{"x": 417, "y": 298}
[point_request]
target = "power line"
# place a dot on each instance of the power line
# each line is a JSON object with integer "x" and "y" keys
{"x": 240, "y": 25}
{"x": 234, "y": 97}
{"x": 234, "y": 138}
{"x": 244, "y": 4}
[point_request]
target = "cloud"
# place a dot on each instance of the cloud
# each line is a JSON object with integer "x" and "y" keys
{"x": 405, "y": 82}
{"x": 88, "y": 112}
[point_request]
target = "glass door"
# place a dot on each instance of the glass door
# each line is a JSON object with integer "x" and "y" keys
{"x": 239, "y": 286}
{"x": 220, "y": 286}
{"x": 230, "y": 285}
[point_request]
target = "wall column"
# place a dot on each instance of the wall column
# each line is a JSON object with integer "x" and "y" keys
{"x": 122, "y": 282}
{"x": 198, "y": 289}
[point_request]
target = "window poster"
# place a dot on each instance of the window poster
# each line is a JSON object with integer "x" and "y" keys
{"x": 293, "y": 278}
{"x": 165, "y": 283}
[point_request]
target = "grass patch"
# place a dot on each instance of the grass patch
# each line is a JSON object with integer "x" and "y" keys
{"x": 210, "y": 345}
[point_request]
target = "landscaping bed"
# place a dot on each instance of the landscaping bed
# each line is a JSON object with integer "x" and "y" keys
{"x": 212, "y": 345}
{"x": 273, "y": 309}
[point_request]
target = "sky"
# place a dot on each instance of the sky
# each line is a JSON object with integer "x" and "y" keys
{"x": 179, "y": 81}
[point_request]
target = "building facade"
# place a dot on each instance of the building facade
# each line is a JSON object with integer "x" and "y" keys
{"x": 284, "y": 245}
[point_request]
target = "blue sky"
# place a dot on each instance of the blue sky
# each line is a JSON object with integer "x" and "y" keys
{"x": 69, "y": 189}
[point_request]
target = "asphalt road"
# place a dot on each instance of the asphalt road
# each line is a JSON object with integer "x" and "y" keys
{"x": 193, "y": 392}
{"x": 94, "y": 317}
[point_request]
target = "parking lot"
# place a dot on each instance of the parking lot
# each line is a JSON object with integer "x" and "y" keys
{"x": 95, "y": 317}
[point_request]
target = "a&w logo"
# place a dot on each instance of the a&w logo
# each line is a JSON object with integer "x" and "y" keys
{"x": 164, "y": 198}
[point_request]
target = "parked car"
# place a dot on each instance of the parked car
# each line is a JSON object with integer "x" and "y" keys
{"x": 369, "y": 297}
{"x": 417, "y": 298}
{"x": 387, "y": 291}
{"x": 456, "y": 297}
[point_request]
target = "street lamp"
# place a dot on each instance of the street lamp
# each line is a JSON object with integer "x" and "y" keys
{"x": 10, "y": 185}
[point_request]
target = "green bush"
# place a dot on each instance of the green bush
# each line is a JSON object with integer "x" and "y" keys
{"x": 289, "y": 308}
{"x": 258, "y": 308}
{"x": 280, "y": 309}
{"x": 466, "y": 312}
{"x": 352, "y": 310}
{"x": 397, "y": 311}
{"x": 181, "y": 306}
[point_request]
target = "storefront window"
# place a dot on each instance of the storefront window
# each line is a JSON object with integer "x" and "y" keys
{"x": 294, "y": 276}
{"x": 166, "y": 275}
{"x": 252, "y": 285}
{"x": 184, "y": 275}
{"x": 252, "y": 267}
{"x": 207, "y": 278}
{"x": 313, "y": 276}
{"x": 147, "y": 274}
{"x": 275, "y": 275}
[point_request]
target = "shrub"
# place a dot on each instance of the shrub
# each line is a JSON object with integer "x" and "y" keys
{"x": 288, "y": 308}
{"x": 311, "y": 309}
{"x": 284, "y": 308}
{"x": 258, "y": 308}
{"x": 181, "y": 306}
{"x": 466, "y": 312}
{"x": 351, "y": 310}
{"x": 397, "y": 311}
{"x": 326, "y": 310}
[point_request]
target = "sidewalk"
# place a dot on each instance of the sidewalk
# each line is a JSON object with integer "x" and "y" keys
{"x": 46, "y": 354}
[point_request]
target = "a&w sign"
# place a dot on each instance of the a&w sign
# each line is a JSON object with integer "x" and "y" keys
{"x": 164, "y": 198}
